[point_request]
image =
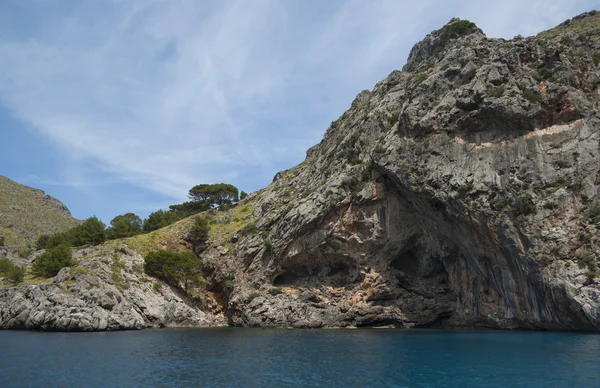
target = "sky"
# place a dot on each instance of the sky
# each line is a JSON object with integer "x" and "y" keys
{"x": 116, "y": 106}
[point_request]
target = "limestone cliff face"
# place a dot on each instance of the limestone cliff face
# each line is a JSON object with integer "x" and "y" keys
{"x": 459, "y": 192}
{"x": 462, "y": 191}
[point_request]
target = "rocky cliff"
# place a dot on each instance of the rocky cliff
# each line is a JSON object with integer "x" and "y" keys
{"x": 106, "y": 290}
{"x": 461, "y": 191}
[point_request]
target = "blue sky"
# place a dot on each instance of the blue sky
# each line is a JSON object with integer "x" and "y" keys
{"x": 123, "y": 105}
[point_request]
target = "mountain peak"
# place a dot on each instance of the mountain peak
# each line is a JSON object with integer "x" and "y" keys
{"x": 437, "y": 41}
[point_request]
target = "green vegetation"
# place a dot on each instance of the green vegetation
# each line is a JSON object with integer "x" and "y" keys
{"x": 160, "y": 219}
{"x": 531, "y": 96}
{"x": 453, "y": 31}
{"x": 52, "y": 261}
{"x": 585, "y": 28}
{"x": 393, "y": 119}
{"x": 249, "y": 229}
{"x": 117, "y": 267}
{"x": 523, "y": 205}
{"x": 587, "y": 260}
{"x": 566, "y": 40}
{"x": 268, "y": 245}
{"x": 544, "y": 74}
{"x": 220, "y": 196}
{"x": 275, "y": 291}
{"x": 496, "y": 91}
{"x": 10, "y": 271}
{"x": 593, "y": 211}
{"x": 28, "y": 213}
{"x": 550, "y": 205}
{"x": 174, "y": 268}
{"x": 5, "y": 264}
{"x": 596, "y": 58}
{"x": 464, "y": 189}
{"x": 125, "y": 225}
{"x": 24, "y": 253}
{"x": 199, "y": 232}
{"x": 90, "y": 232}
{"x": 2, "y": 241}
{"x": 243, "y": 195}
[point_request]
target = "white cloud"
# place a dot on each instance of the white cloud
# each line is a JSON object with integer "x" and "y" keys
{"x": 167, "y": 94}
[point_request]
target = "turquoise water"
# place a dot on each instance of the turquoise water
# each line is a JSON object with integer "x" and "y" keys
{"x": 232, "y": 357}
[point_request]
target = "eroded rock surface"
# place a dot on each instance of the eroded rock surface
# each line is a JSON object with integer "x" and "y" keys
{"x": 106, "y": 290}
{"x": 459, "y": 192}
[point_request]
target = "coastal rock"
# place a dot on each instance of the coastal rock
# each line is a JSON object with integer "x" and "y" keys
{"x": 462, "y": 191}
{"x": 106, "y": 290}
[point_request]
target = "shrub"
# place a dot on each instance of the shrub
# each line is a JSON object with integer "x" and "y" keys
{"x": 586, "y": 260}
{"x": 593, "y": 211}
{"x": 199, "y": 233}
{"x": 90, "y": 232}
{"x": 268, "y": 245}
{"x": 465, "y": 189}
{"x": 523, "y": 206}
{"x": 5, "y": 265}
{"x": 496, "y": 91}
{"x": 531, "y": 96}
{"x": 52, "y": 261}
{"x": 252, "y": 296}
{"x": 544, "y": 74}
{"x": 54, "y": 240}
{"x": 393, "y": 119}
{"x": 10, "y": 271}
{"x": 2, "y": 241}
{"x": 16, "y": 274}
{"x": 596, "y": 58}
{"x": 174, "y": 267}
{"x": 249, "y": 229}
{"x": 566, "y": 40}
{"x": 275, "y": 291}
{"x": 23, "y": 254}
{"x": 421, "y": 77}
{"x": 42, "y": 242}
{"x": 453, "y": 31}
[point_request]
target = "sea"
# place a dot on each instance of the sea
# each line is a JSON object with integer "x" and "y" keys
{"x": 239, "y": 357}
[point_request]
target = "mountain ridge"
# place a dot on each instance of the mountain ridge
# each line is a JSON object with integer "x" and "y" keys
{"x": 27, "y": 213}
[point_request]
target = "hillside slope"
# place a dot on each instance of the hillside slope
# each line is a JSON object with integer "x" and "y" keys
{"x": 462, "y": 191}
{"x": 27, "y": 213}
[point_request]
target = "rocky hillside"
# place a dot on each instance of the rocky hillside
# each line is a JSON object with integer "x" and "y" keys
{"x": 27, "y": 213}
{"x": 461, "y": 191}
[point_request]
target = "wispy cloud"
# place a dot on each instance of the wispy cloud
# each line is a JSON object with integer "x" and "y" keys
{"x": 168, "y": 94}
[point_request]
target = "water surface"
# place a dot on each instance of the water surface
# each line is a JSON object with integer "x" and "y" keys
{"x": 233, "y": 357}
